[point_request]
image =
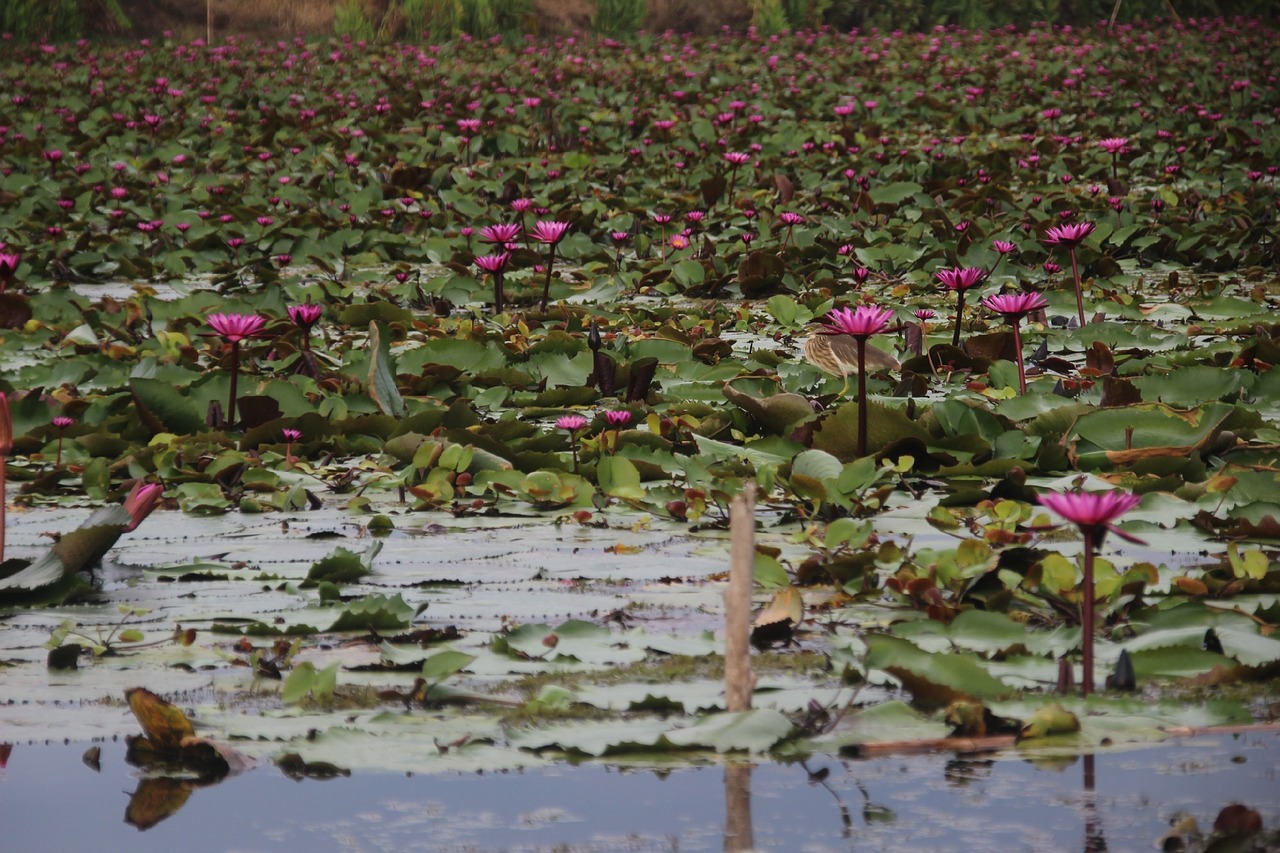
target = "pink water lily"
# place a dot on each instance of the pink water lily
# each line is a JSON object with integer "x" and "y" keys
{"x": 142, "y": 499}
{"x": 859, "y": 323}
{"x": 550, "y": 232}
{"x": 8, "y": 268}
{"x": 236, "y": 327}
{"x": 1014, "y": 307}
{"x": 1095, "y": 514}
{"x": 305, "y": 315}
{"x": 960, "y": 279}
{"x": 863, "y": 321}
{"x": 1069, "y": 236}
{"x": 571, "y": 424}
{"x": 502, "y": 234}
{"x": 495, "y": 265}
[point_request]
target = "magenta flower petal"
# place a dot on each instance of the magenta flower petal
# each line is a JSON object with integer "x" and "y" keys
{"x": 1091, "y": 510}
{"x": 549, "y": 232}
{"x": 1015, "y": 306}
{"x": 617, "y": 418}
{"x": 493, "y": 263}
{"x": 572, "y": 423}
{"x": 304, "y": 316}
{"x": 1069, "y": 235}
{"x": 236, "y": 327}
{"x": 500, "y": 234}
{"x": 961, "y": 278}
{"x": 861, "y": 322}
{"x": 141, "y": 501}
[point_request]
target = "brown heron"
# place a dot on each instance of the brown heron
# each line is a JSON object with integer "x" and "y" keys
{"x": 838, "y": 355}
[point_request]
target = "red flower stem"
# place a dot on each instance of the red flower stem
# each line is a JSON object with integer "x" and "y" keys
{"x": 235, "y": 374}
{"x": 1086, "y": 617}
{"x": 862, "y": 396}
{"x": 1017, "y": 348}
{"x": 497, "y": 292}
{"x": 955, "y": 337}
{"x": 546, "y": 286}
{"x": 1075, "y": 274}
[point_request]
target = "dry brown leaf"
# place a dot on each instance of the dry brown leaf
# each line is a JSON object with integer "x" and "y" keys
{"x": 162, "y": 723}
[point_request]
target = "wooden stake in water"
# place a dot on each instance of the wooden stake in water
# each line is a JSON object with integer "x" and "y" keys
{"x": 739, "y": 680}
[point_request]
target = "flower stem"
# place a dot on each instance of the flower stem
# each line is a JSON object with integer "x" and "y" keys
{"x": 862, "y": 396}
{"x": 1017, "y": 348}
{"x": 235, "y": 374}
{"x": 546, "y": 286}
{"x": 1075, "y": 274}
{"x": 955, "y": 337}
{"x": 1086, "y": 618}
{"x": 497, "y": 292}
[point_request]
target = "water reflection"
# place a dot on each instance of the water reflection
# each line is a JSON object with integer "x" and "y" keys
{"x": 738, "y": 832}
{"x": 1212, "y": 788}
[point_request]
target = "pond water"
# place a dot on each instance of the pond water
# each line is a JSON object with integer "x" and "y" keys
{"x": 50, "y": 800}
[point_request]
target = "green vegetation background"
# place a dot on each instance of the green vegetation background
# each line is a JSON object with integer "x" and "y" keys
{"x": 62, "y": 20}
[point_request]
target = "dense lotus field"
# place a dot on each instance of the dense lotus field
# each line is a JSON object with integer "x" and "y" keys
{"x": 446, "y": 362}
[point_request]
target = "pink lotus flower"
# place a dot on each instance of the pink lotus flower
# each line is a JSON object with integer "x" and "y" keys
{"x": 291, "y": 435}
{"x": 62, "y": 421}
{"x": 1069, "y": 235}
{"x": 1004, "y": 247}
{"x": 1015, "y": 305}
{"x": 500, "y": 234}
{"x": 617, "y": 418}
{"x": 305, "y": 315}
{"x": 8, "y": 267}
{"x": 549, "y": 231}
{"x": 1114, "y": 145}
{"x": 961, "y": 278}
{"x": 861, "y": 322}
{"x": 737, "y": 158}
{"x": 140, "y": 502}
{"x": 236, "y": 327}
{"x": 493, "y": 263}
{"x": 572, "y": 423}
{"x": 1094, "y": 513}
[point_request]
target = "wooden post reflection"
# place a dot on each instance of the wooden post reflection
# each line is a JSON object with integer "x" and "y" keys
{"x": 1094, "y": 840}
{"x": 738, "y": 832}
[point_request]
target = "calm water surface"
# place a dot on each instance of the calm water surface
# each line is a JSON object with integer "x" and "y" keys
{"x": 51, "y": 801}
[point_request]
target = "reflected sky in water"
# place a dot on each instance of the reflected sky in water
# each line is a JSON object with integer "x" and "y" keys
{"x": 51, "y": 801}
